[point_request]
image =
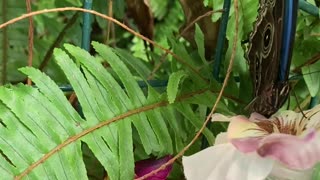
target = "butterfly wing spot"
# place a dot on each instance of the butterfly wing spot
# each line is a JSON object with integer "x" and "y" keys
{"x": 267, "y": 41}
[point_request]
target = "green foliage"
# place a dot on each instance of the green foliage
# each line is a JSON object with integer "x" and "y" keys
{"x": 12, "y": 47}
{"x": 164, "y": 27}
{"x": 148, "y": 121}
{"x": 312, "y": 78}
{"x": 159, "y": 8}
{"x": 305, "y": 49}
{"x": 316, "y": 172}
{"x": 173, "y": 85}
{"x": 102, "y": 7}
{"x": 216, "y": 6}
{"x": 14, "y": 54}
{"x": 199, "y": 38}
{"x": 51, "y": 131}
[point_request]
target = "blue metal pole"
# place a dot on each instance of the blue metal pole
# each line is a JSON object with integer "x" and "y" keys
{"x": 288, "y": 36}
{"x": 309, "y": 8}
{"x": 221, "y": 39}
{"x": 86, "y": 28}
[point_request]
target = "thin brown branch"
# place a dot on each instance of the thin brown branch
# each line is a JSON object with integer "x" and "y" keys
{"x": 30, "y": 39}
{"x": 58, "y": 40}
{"x": 110, "y": 19}
{"x": 235, "y": 39}
{"x": 109, "y": 22}
{"x": 315, "y": 34}
{"x": 303, "y": 105}
{"x": 209, "y": 13}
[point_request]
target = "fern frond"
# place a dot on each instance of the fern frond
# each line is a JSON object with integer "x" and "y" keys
{"x": 41, "y": 134}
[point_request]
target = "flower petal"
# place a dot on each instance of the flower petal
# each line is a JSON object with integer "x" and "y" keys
{"x": 217, "y": 117}
{"x": 281, "y": 172}
{"x": 247, "y": 145}
{"x": 314, "y": 117}
{"x": 144, "y": 167}
{"x": 225, "y": 162}
{"x": 221, "y": 138}
{"x": 257, "y": 117}
{"x": 293, "y": 151}
{"x": 241, "y": 127}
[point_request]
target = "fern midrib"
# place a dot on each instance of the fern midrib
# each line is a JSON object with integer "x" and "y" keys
{"x": 106, "y": 123}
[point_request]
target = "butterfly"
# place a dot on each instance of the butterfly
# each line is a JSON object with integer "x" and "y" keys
{"x": 269, "y": 54}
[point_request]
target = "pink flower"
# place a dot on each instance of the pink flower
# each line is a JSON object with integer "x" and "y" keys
{"x": 286, "y": 146}
{"x": 144, "y": 167}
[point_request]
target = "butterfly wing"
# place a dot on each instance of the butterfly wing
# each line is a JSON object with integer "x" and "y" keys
{"x": 264, "y": 45}
{"x": 264, "y": 58}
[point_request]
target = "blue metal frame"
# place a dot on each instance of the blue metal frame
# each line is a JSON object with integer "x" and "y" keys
{"x": 221, "y": 39}
{"x": 86, "y": 28}
{"x": 289, "y": 30}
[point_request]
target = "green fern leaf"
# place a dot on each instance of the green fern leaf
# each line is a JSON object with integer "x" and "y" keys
{"x": 42, "y": 135}
{"x": 174, "y": 80}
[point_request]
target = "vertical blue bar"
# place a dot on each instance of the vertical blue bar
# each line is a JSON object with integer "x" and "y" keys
{"x": 86, "y": 28}
{"x": 221, "y": 39}
{"x": 288, "y": 36}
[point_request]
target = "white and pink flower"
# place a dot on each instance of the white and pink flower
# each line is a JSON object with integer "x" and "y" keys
{"x": 285, "y": 146}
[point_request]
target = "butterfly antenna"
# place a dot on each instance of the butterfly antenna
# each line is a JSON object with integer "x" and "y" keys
{"x": 288, "y": 105}
{"x": 250, "y": 104}
{"x": 298, "y": 103}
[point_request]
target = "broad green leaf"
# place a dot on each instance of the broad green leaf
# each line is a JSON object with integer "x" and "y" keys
{"x": 176, "y": 123}
{"x": 41, "y": 120}
{"x": 186, "y": 110}
{"x": 38, "y": 130}
{"x": 135, "y": 63}
{"x": 316, "y": 172}
{"x": 183, "y": 53}
{"x": 134, "y": 91}
{"x": 199, "y": 38}
{"x": 158, "y": 124}
{"x": 109, "y": 83}
{"x": 91, "y": 110}
{"x": 106, "y": 132}
{"x": 159, "y": 8}
{"x": 173, "y": 84}
{"x": 95, "y": 170}
{"x": 217, "y": 4}
{"x": 48, "y": 88}
{"x": 311, "y": 76}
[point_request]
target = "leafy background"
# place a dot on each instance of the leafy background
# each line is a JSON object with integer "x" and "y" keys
{"x": 60, "y": 143}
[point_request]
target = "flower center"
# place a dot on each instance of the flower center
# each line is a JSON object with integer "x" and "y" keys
{"x": 278, "y": 125}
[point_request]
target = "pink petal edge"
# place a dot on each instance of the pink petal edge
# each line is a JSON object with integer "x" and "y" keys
{"x": 247, "y": 145}
{"x": 295, "y": 152}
